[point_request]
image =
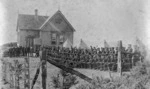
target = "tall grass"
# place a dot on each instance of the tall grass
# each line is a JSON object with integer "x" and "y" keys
{"x": 139, "y": 78}
{"x": 63, "y": 80}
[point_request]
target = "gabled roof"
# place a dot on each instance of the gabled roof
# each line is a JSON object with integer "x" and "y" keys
{"x": 50, "y": 18}
{"x": 26, "y": 22}
{"x": 30, "y": 21}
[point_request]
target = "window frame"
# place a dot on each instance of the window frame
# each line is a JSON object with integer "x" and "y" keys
{"x": 53, "y": 41}
{"x": 61, "y": 40}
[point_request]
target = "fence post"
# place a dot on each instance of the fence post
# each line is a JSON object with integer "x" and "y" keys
{"x": 16, "y": 74}
{"x": 4, "y": 70}
{"x": 11, "y": 76}
{"x": 44, "y": 69}
{"x": 119, "y": 66}
{"x": 26, "y": 74}
{"x": 132, "y": 61}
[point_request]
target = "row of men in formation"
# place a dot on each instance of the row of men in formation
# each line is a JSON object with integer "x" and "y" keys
{"x": 103, "y": 58}
{"x": 106, "y": 58}
{"x": 22, "y": 51}
{"x": 110, "y": 50}
{"x": 93, "y": 52}
{"x": 90, "y": 55}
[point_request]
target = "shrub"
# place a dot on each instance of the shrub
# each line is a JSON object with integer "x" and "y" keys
{"x": 56, "y": 82}
{"x": 139, "y": 78}
{"x": 66, "y": 80}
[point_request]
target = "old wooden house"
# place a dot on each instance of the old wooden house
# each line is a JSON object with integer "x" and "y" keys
{"x": 43, "y": 30}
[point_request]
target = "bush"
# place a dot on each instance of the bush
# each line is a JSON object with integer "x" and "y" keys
{"x": 56, "y": 82}
{"x": 66, "y": 80}
{"x": 139, "y": 78}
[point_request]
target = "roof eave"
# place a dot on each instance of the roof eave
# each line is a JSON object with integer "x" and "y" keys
{"x": 30, "y": 29}
{"x": 67, "y": 21}
{"x": 50, "y": 18}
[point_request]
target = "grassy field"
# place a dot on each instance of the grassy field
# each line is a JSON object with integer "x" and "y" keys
{"x": 52, "y": 70}
{"x": 135, "y": 81}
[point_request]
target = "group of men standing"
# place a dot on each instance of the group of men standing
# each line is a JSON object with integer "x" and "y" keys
{"x": 22, "y": 51}
{"x": 81, "y": 58}
{"x": 94, "y": 58}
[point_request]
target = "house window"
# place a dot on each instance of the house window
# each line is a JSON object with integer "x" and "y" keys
{"x": 54, "y": 37}
{"x": 61, "y": 39}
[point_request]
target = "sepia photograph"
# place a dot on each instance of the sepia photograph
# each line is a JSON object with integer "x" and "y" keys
{"x": 74, "y": 44}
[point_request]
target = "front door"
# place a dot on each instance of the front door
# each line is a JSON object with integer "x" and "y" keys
{"x": 29, "y": 42}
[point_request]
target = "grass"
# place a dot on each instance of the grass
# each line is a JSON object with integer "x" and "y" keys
{"x": 64, "y": 79}
{"x": 138, "y": 78}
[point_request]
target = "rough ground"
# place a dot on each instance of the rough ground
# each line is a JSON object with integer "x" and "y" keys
{"x": 52, "y": 70}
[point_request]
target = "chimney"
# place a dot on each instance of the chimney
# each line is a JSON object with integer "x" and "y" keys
{"x": 36, "y": 14}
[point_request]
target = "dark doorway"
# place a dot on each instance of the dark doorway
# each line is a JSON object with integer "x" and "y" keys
{"x": 29, "y": 41}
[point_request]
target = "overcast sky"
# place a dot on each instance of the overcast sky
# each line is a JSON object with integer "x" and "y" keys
{"x": 93, "y": 20}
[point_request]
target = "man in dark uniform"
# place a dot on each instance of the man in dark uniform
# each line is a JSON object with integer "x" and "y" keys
{"x": 14, "y": 51}
{"x": 10, "y": 53}
{"x": 22, "y": 49}
{"x": 28, "y": 51}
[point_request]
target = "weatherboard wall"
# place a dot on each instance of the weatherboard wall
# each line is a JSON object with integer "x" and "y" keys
{"x": 23, "y": 34}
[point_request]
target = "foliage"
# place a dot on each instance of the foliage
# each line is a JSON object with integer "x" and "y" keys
{"x": 56, "y": 82}
{"x": 139, "y": 78}
{"x": 66, "y": 79}
{"x": 63, "y": 73}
